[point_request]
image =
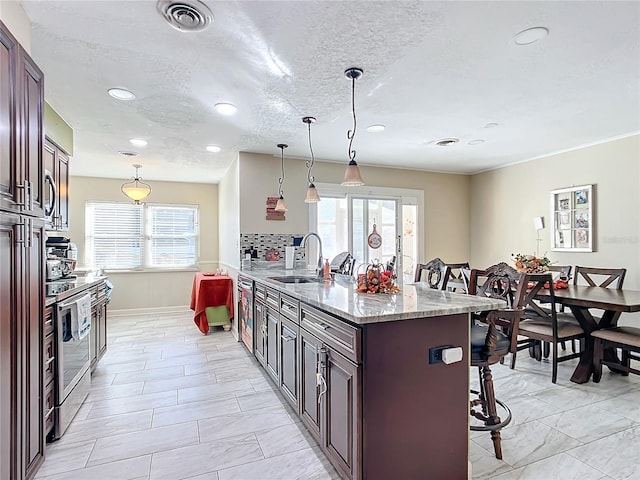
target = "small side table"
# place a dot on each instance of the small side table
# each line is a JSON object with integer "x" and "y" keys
{"x": 212, "y": 296}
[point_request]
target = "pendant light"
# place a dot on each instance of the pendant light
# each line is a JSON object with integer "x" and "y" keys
{"x": 136, "y": 190}
{"x": 352, "y": 176}
{"x": 312, "y": 192}
{"x": 281, "y": 205}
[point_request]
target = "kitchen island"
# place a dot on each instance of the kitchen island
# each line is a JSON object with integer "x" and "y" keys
{"x": 356, "y": 368}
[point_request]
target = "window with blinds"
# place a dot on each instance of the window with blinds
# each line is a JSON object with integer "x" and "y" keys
{"x": 125, "y": 236}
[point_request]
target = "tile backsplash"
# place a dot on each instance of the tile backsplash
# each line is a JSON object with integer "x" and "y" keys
{"x": 264, "y": 241}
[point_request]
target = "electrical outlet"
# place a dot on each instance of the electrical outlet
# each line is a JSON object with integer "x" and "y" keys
{"x": 435, "y": 354}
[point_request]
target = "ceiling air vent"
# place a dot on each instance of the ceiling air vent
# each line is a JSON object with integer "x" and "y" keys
{"x": 185, "y": 15}
{"x": 127, "y": 154}
{"x": 445, "y": 142}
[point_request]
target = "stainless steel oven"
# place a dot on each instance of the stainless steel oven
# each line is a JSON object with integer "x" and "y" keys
{"x": 73, "y": 379}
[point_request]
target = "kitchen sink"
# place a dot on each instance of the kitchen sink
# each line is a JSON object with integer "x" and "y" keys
{"x": 295, "y": 279}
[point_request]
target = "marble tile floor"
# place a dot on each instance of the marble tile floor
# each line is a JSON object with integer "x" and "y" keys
{"x": 167, "y": 402}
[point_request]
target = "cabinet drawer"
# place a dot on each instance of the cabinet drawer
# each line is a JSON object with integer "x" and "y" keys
{"x": 261, "y": 292}
{"x": 48, "y": 321}
{"x": 273, "y": 298}
{"x": 49, "y": 403}
{"x": 289, "y": 308}
{"x": 49, "y": 358}
{"x": 343, "y": 337}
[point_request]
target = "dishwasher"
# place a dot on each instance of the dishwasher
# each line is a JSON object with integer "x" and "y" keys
{"x": 245, "y": 311}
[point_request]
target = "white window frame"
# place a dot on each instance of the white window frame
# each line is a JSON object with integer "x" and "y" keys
{"x": 147, "y": 237}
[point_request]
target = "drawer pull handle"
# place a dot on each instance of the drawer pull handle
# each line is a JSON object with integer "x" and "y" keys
{"x": 323, "y": 326}
{"x": 49, "y": 412}
{"x": 48, "y": 362}
{"x": 287, "y": 338}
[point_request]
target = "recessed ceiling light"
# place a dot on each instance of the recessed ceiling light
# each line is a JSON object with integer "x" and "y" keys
{"x": 213, "y": 148}
{"x": 530, "y": 35}
{"x": 491, "y": 125}
{"x": 375, "y": 128}
{"x": 138, "y": 142}
{"x": 121, "y": 94}
{"x": 225, "y": 108}
{"x": 127, "y": 154}
{"x": 476, "y": 142}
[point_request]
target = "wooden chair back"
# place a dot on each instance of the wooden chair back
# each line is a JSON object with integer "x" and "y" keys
{"x": 498, "y": 281}
{"x": 613, "y": 277}
{"x": 437, "y": 273}
{"x": 562, "y": 272}
{"x": 457, "y": 278}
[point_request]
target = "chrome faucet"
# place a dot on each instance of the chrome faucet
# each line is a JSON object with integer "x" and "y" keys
{"x": 319, "y": 270}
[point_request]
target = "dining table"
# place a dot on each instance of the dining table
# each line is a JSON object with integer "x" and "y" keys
{"x": 581, "y": 300}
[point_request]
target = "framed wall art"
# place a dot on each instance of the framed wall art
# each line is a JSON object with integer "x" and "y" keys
{"x": 573, "y": 222}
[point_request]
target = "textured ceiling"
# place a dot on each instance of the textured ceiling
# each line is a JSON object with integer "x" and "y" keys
{"x": 431, "y": 70}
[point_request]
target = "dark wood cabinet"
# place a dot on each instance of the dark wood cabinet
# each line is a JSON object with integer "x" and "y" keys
{"x": 259, "y": 330}
{"x": 310, "y": 382}
{"x": 22, "y": 253}
{"x": 98, "y": 333}
{"x": 56, "y": 164}
{"x": 272, "y": 341}
{"x": 289, "y": 361}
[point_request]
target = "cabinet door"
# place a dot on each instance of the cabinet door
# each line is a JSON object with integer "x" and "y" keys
{"x": 93, "y": 337}
{"x": 32, "y": 83}
{"x": 259, "y": 330}
{"x": 62, "y": 182}
{"x": 50, "y": 195}
{"x": 32, "y": 346}
{"x": 102, "y": 331}
{"x": 272, "y": 345}
{"x": 9, "y": 274}
{"x": 289, "y": 361}
{"x": 309, "y": 388}
{"x": 342, "y": 435}
{"x": 8, "y": 133}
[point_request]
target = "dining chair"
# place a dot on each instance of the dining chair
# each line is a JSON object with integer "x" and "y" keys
{"x": 560, "y": 272}
{"x": 626, "y": 339}
{"x": 435, "y": 272}
{"x": 457, "y": 279}
{"x": 545, "y": 324}
{"x": 600, "y": 277}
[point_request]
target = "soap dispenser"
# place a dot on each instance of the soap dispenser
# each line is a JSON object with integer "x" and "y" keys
{"x": 327, "y": 269}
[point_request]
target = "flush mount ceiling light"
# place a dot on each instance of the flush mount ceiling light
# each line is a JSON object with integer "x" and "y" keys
{"x": 121, "y": 94}
{"x": 530, "y": 35}
{"x": 185, "y": 15}
{"x": 213, "y": 148}
{"x": 352, "y": 176}
{"x": 138, "y": 142}
{"x": 375, "y": 128}
{"x": 281, "y": 205}
{"x": 136, "y": 190}
{"x": 225, "y": 108}
{"x": 312, "y": 193}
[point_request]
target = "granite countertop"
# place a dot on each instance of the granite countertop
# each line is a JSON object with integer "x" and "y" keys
{"x": 341, "y": 298}
{"x": 77, "y": 285}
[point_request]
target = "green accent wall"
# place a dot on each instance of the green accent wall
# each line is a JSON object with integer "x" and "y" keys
{"x": 56, "y": 129}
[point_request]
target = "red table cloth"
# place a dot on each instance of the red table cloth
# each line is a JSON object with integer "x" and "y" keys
{"x": 210, "y": 291}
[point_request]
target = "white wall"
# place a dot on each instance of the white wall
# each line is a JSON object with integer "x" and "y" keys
{"x": 149, "y": 289}
{"x": 16, "y": 20}
{"x": 446, "y": 196}
{"x": 229, "y": 215}
{"x": 505, "y": 201}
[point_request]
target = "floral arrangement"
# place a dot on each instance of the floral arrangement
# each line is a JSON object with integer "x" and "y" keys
{"x": 531, "y": 263}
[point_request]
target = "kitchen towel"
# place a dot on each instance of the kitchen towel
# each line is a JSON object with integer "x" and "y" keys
{"x": 81, "y": 317}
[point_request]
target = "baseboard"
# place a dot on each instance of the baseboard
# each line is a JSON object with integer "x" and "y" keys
{"x": 148, "y": 311}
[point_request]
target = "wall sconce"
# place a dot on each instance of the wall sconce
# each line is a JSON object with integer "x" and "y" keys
{"x": 352, "y": 176}
{"x": 281, "y": 205}
{"x": 136, "y": 190}
{"x": 312, "y": 193}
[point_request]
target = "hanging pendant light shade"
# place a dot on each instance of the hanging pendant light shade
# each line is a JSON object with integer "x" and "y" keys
{"x": 352, "y": 177}
{"x": 281, "y": 205}
{"x": 312, "y": 192}
{"x": 136, "y": 190}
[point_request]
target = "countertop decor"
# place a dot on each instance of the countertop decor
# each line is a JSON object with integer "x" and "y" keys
{"x": 531, "y": 263}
